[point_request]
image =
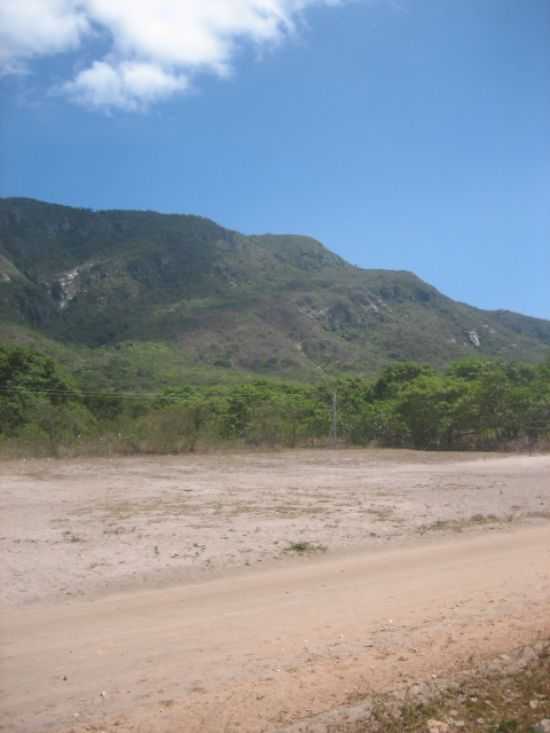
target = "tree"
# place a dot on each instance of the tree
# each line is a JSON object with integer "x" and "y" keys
{"x": 425, "y": 406}
{"x": 395, "y": 376}
{"x": 29, "y": 380}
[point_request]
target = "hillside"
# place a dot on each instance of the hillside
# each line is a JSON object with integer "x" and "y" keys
{"x": 269, "y": 304}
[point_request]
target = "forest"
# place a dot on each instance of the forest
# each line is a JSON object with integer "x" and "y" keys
{"x": 474, "y": 404}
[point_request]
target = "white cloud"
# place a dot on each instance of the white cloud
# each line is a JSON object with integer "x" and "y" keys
{"x": 156, "y": 45}
{"x": 31, "y": 28}
{"x": 127, "y": 85}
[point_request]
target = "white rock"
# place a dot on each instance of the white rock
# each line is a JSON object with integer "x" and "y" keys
{"x": 473, "y": 337}
{"x": 437, "y": 726}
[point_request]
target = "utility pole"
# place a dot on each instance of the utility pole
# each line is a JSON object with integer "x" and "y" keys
{"x": 333, "y": 422}
{"x": 334, "y": 409}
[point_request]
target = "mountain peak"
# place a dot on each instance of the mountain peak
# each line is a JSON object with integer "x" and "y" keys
{"x": 268, "y": 302}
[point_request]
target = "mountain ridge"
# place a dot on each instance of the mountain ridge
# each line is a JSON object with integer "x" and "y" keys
{"x": 265, "y": 303}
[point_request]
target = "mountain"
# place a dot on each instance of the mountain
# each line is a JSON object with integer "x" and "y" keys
{"x": 270, "y": 303}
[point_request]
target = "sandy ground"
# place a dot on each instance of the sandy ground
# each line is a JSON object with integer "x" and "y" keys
{"x": 157, "y": 594}
{"x": 75, "y": 528}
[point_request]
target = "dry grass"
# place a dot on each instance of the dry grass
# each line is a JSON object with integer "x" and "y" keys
{"x": 510, "y": 700}
{"x": 457, "y": 525}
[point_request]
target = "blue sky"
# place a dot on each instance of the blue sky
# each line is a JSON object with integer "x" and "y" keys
{"x": 406, "y": 134}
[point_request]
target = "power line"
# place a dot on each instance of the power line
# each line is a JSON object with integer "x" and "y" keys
{"x": 81, "y": 393}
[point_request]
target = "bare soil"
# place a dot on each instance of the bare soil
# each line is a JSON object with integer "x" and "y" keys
{"x": 244, "y": 592}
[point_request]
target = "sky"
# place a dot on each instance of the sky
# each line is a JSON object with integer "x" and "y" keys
{"x": 403, "y": 134}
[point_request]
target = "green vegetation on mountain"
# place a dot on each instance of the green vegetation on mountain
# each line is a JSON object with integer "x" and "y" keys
{"x": 145, "y": 300}
{"x": 135, "y": 331}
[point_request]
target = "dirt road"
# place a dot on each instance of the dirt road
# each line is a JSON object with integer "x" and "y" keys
{"x": 256, "y": 650}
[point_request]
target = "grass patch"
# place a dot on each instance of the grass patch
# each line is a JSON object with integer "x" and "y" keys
{"x": 458, "y": 525}
{"x": 305, "y": 548}
{"x": 511, "y": 695}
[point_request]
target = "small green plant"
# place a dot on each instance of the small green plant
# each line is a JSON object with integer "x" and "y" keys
{"x": 303, "y": 548}
{"x": 68, "y": 536}
{"x": 507, "y": 726}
